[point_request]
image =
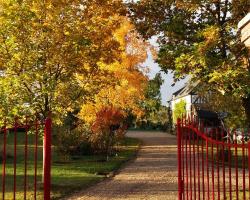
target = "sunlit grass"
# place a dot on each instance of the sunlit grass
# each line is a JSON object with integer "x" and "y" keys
{"x": 67, "y": 177}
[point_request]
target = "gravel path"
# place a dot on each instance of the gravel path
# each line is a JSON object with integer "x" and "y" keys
{"x": 152, "y": 175}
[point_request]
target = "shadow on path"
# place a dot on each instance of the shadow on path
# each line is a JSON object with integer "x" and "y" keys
{"x": 152, "y": 175}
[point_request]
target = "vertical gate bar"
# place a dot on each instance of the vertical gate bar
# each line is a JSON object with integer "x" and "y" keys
{"x": 190, "y": 161}
{"x": 230, "y": 172}
{"x": 218, "y": 165}
{"x": 243, "y": 166}
{"x": 25, "y": 157}
{"x": 212, "y": 157}
{"x": 194, "y": 163}
{"x": 198, "y": 153}
{"x": 223, "y": 171}
{"x": 4, "y": 160}
{"x": 183, "y": 157}
{"x": 179, "y": 159}
{"x": 186, "y": 160}
{"x": 15, "y": 151}
{"x": 35, "y": 157}
{"x": 236, "y": 170}
{"x": 207, "y": 163}
{"x": 47, "y": 158}
{"x": 248, "y": 169}
{"x": 203, "y": 167}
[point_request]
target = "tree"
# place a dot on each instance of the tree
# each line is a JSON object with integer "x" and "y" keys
{"x": 229, "y": 104}
{"x": 51, "y": 52}
{"x": 128, "y": 81}
{"x": 154, "y": 113}
{"x": 107, "y": 129}
{"x": 179, "y": 110}
{"x": 106, "y": 112}
{"x": 199, "y": 38}
{"x": 153, "y": 93}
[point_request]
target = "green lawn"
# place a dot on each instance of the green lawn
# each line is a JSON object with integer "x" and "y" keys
{"x": 67, "y": 177}
{"x": 240, "y": 156}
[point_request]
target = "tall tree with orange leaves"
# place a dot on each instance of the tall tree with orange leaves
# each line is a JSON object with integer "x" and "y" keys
{"x": 52, "y": 53}
{"x": 129, "y": 79}
{"x": 113, "y": 103}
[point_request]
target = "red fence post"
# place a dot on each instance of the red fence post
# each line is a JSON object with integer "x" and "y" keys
{"x": 232, "y": 188}
{"x": 249, "y": 166}
{"x": 4, "y": 160}
{"x": 180, "y": 189}
{"x": 47, "y": 158}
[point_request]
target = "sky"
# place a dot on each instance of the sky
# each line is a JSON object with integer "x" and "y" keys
{"x": 166, "y": 89}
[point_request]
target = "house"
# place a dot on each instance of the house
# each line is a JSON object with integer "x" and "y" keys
{"x": 195, "y": 104}
{"x": 244, "y": 28}
{"x": 189, "y": 95}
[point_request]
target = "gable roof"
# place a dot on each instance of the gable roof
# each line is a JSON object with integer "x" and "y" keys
{"x": 178, "y": 91}
{"x": 188, "y": 89}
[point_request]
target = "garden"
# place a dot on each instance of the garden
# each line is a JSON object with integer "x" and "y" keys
{"x": 84, "y": 64}
{"x": 69, "y": 174}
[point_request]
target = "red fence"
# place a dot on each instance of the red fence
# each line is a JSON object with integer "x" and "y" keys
{"x": 24, "y": 156}
{"x": 211, "y": 166}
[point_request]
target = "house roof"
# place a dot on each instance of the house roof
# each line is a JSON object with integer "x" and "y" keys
{"x": 178, "y": 91}
{"x": 188, "y": 89}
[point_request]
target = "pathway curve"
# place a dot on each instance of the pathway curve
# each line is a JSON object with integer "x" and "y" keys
{"x": 151, "y": 176}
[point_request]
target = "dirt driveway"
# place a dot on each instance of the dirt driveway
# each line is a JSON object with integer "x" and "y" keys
{"x": 152, "y": 175}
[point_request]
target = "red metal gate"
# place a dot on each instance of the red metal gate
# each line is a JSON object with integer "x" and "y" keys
{"x": 210, "y": 167}
{"x": 22, "y": 164}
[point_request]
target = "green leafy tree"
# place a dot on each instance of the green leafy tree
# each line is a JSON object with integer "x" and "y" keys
{"x": 179, "y": 110}
{"x": 155, "y": 114}
{"x": 153, "y": 94}
{"x": 50, "y": 52}
{"x": 230, "y": 104}
{"x": 199, "y": 38}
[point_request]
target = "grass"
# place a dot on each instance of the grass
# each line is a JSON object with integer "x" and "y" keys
{"x": 147, "y": 129}
{"x": 68, "y": 176}
{"x": 240, "y": 157}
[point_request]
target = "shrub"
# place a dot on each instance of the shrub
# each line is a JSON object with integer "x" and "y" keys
{"x": 72, "y": 142}
{"x": 179, "y": 110}
{"x": 107, "y": 129}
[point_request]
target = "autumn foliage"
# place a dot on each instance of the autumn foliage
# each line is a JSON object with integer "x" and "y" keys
{"x": 51, "y": 53}
{"x": 129, "y": 81}
{"x": 107, "y": 129}
{"x": 200, "y": 39}
{"x": 81, "y": 58}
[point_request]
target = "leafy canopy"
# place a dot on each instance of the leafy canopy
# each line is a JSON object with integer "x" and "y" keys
{"x": 129, "y": 81}
{"x": 199, "y": 38}
{"x": 52, "y": 53}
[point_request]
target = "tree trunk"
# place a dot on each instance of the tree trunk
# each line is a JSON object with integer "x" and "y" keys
{"x": 170, "y": 120}
{"x": 45, "y": 115}
{"x": 46, "y": 106}
{"x": 246, "y": 105}
{"x": 109, "y": 145}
